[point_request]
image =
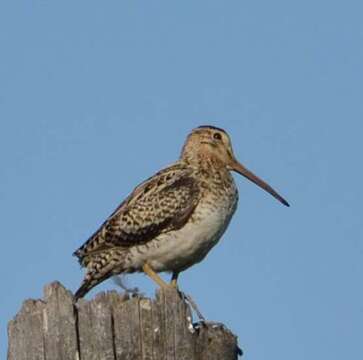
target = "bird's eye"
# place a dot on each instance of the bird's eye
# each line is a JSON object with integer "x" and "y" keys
{"x": 217, "y": 136}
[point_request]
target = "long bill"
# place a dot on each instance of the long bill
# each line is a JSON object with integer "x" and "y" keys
{"x": 236, "y": 166}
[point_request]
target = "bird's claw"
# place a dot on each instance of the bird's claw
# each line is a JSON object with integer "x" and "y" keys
{"x": 133, "y": 292}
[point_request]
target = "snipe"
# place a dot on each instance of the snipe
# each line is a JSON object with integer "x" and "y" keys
{"x": 172, "y": 220}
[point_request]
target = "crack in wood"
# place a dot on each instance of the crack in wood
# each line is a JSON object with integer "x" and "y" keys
{"x": 113, "y": 326}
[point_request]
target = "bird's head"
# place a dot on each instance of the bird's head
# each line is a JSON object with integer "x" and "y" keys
{"x": 209, "y": 142}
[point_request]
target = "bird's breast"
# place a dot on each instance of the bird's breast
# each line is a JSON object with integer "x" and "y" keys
{"x": 182, "y": 248}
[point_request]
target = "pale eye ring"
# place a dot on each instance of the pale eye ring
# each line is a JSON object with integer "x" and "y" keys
{"x": 217, "y": 136}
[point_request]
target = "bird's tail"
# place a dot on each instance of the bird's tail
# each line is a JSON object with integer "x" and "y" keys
{"x": 99, "y": 268}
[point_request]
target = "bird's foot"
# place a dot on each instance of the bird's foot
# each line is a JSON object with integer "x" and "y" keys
{"x": 130, "y": 291}
{"x": 205, "y": 323}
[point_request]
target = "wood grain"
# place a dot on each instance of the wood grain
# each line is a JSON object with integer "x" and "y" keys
{"x": 114, "y": 326}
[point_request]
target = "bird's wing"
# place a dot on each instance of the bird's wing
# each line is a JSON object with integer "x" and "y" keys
{"x": 162, "y": 203}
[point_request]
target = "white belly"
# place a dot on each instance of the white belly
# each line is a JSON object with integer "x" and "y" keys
{"x": 180, "y": 249}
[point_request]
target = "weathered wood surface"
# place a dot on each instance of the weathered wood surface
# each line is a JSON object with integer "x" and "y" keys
{"x": 114, "y": 327}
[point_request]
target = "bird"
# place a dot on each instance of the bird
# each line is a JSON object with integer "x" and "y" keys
{"x": 172, "y": 220}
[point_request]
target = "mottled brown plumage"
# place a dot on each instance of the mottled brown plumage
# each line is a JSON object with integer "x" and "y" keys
{"x": 173, "y": 219}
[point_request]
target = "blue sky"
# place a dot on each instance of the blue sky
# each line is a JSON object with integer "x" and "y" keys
{"x": 97, "y": 96}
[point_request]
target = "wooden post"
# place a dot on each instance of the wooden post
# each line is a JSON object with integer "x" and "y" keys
{"x": 114, "y": 327}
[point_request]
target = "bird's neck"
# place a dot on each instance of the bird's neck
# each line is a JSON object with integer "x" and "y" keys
{"x": 202, "y": 160}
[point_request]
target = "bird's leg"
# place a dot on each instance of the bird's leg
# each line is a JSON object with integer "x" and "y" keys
{"x": 174, "y": 280}
{"x": 154, "y": 276}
